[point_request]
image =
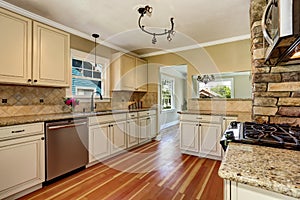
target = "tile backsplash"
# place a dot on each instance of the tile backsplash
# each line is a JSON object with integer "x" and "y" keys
{"x": 26, "y": 100}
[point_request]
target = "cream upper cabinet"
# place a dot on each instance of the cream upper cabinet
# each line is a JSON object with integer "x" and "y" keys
{"x": 51, "y": 56}
{"x": 128, "y": 73}
{"x": 33, "y": 53}
{"x": 15, "y": 48}
{"x": 141, "y": 73}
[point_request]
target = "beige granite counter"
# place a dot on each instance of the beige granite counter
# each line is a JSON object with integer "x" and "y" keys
{"x": 241, "y": 116}
{"x": 273, "y": 169}
{"x": 7, "y": 121}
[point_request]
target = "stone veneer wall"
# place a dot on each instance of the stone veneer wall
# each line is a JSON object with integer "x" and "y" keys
{"x": 276, "y": 89}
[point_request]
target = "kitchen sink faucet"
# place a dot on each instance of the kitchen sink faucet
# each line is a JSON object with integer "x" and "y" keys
{"x": 92, "y": 100}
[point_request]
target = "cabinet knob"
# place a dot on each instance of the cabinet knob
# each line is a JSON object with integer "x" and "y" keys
{"x": 42, "y": 138}
{"x": 29, "y": 80}
{"x": 35, "y": 80}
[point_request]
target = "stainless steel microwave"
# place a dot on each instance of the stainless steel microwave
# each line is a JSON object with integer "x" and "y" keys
{"x": 281, "y": 30}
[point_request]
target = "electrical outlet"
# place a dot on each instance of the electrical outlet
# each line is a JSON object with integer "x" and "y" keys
{"x": 41, "y": 100}
{"x": 4, "y": 100}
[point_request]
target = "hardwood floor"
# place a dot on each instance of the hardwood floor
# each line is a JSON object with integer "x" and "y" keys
{"x": 156, "y": 170}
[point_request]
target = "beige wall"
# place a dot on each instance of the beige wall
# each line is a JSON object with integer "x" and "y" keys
{"x": 228, "y": 57}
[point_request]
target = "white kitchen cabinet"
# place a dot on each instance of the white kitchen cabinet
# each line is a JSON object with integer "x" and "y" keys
{"x": 107, "y": 136}
{"x": 128, "y": 73}
{"x": 118, "y": 136}
{"x": 22, "y": 168}
{"x": 33, "y": 53}
{"x": 132, "y": 129}
{"x": 51, "y": 56}
{"x": 189, "y": 136}
{"x": 240, "y": 191}
{"x": 99, "y": 143}
{"x": 15, "y": 48}
{"x": 210, "y": 135}
{"x": 153, "y": 124}
{"x": 141, "y": 75}
{"x": 200, "y": 135}
{"x": 145, "y": 128}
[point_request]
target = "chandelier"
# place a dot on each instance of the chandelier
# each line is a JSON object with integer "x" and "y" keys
{"x": 205, "y": 78}
{"x": 148, "y": 10}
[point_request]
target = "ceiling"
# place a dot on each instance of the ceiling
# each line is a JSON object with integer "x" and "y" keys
{"x": 196, "y": 21}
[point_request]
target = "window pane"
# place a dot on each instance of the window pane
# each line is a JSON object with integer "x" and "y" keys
{"x": 87, "y": 65}
{"x": 96, "y": 75}
{"x": 76, "y": 63}
{"x": 83, "y": 86}
{"x": 87, "y": 73}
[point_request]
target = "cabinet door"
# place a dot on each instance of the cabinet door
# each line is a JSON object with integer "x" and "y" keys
{"x": 141, "y": 75}
{"x": 15, "y": 48}
{"x": 153, "y": 131}
{"x": 144, "y": 133}
{"x": 118, "y": 136}
{"x": 132, "y": 132}
{"x": 210, "y": 135}
{"x": 51, "y": 56}
{"x": 22, "y": 164}
{"x": 99, "y": 144}
{"x": 127, "y": 72}
{"x": 189, "y": 136}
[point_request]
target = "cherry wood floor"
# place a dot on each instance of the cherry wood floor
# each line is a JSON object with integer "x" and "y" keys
{"x": 156, "y": 170}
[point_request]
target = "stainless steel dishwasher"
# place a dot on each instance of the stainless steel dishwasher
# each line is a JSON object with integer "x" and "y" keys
{"x": 66, "y": 146}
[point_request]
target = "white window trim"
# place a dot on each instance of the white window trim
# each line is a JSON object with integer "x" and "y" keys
{"x": 105, "y": 74}
{"x": 166, "y": 77}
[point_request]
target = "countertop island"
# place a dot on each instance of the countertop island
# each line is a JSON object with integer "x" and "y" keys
{"x": 273, "y": 169}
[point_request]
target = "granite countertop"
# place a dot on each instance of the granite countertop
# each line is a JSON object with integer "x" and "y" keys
{"x": 273, "y": 169}
{"x": 7, "y": 121}
{"x": 210, "y": 112}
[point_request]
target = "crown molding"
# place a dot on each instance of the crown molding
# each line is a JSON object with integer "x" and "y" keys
{"x": 49, "y": 22}
{"x": 196, "y": 46}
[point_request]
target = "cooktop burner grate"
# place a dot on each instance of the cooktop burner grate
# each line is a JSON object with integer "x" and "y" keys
{"x": 276, "y": 135}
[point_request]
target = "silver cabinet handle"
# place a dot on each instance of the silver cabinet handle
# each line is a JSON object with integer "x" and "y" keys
{"x": 18, "y": 131}
{"x": 266, "y": 34}
{"x": 66, "y": 126}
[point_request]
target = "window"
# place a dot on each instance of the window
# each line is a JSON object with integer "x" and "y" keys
{"x": 167, "y": 92}
{"x": 222, "y": 88}
{"x": 88, "y": 78}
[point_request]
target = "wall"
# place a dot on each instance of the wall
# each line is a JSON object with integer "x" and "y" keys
{"x": 276, "y": 89}
{"x": 227, "y": 57}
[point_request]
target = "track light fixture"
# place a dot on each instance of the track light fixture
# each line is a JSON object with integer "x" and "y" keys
{"x": 147, "y": 10}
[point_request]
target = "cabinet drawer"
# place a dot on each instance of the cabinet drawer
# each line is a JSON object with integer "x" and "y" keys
{"x": 146, "y": 113}
{"x": 132, "y": 115}
{"x": 21, "y": 130}
{"x": 106, "y": 118}
{"x": 201, "y": 118}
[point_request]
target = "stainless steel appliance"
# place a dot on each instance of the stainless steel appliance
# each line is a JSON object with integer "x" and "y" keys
{"x": 66, "y": 146}
{"x": 281, "y": 29}
{"x": 273, "y": 135}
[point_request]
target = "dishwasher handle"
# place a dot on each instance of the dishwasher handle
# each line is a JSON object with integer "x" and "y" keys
{"x": 66, "y": 126}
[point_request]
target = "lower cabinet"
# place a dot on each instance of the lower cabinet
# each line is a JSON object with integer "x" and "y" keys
{"x": 210, "y": 135}
{"x": 144, "y": 129}
{"x": 132, "y": 132}
{"x": 189, "y": 136}
{"x": 106, "y": 136}
{"x": 153, "y": 131}
{"x": 239, "y": 191}
{"x": 200, "y": 135}
{"x": 22, "y": 168}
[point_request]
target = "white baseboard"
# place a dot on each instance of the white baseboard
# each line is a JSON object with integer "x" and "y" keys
{"x": 169, "y": 124}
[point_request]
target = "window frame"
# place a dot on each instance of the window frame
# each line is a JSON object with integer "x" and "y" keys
{"x": 168, "y": 78}
{"x": 217, "y": 80}
{"x": 105, "y": 75}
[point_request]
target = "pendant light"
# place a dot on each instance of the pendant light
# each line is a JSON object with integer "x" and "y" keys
{"x": 95, "y": 35}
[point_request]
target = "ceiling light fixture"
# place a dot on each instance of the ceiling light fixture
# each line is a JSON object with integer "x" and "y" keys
{"x": 148, "y": 10}
{"x": 205, "y": 78}
{"x": 95, "y": 35}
